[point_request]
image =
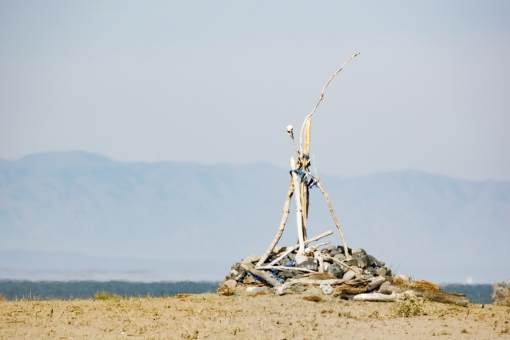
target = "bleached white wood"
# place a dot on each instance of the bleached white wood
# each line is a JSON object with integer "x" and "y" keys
{"x": 346, "y": 252}
{"x": 376, "y": 282}
{"x": 375, "y": 297}
{"x": 286, "y": 268}
{"x": 299, "y": 210}
{"x": 283, "y": 221}
{"x": 320, "y": 99}
{"x": 291, "y": 249}
{"x": 318, "y": 257}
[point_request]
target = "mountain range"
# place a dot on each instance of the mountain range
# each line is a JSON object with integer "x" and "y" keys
{"x": 76, "y": 215}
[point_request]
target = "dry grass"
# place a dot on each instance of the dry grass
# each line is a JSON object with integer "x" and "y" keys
{"x": 425, "y": 285}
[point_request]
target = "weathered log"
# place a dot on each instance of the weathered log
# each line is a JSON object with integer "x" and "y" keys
{"x": 444, "y": 297}
{"x": 316, "y": 282}
{"x": 283, "y": 221}
{"x": 283, "y": 268}
{"x": 375, "y": 297}
{"x": 376, "y": 282}
{"x": 356, "y": 286}
{"x": 262, "y": 275}
{"x": 281, "y": 288}
{"x": 291, "y": 249}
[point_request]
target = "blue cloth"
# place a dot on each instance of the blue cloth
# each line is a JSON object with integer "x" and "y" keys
{"x": 277, "y": 278}
{"x": 291, "y": 264}
{"x": 306, "y": 177}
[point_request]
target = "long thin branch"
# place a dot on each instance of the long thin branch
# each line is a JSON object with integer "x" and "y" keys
{"x": 320, "y": 99}
{"x": 346, "y": 252}
{"x": 283, "y": 221}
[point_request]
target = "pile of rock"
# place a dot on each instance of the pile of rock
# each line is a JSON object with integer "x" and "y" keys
{"x": 355, "y": 275}
{"x": 331, "y": 264}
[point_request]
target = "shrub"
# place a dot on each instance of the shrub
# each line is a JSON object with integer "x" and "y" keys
{"x": 409, "y": 305}
{"x": 104, "y": 295}
{"x": 501, "y": 294}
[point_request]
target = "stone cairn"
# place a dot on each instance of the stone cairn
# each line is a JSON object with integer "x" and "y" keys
{"x": 336, "y": 270}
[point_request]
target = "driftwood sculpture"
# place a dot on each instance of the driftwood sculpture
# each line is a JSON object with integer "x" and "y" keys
{"x": 336, "y": 269}
{"x": 301, "y": 182}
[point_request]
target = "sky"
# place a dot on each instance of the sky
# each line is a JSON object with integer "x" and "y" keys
{"x": 218, "y": 82}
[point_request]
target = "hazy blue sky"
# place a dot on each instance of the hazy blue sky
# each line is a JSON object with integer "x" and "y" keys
{"x": 219, "y": 81}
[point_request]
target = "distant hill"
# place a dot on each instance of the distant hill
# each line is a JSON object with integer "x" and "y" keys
{"x": 62, "y": 214}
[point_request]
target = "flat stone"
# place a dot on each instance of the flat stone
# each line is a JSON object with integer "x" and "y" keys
{"x": 372, "y": 260}
{"x": 349, "y": 275}
{"x": 381, "y": 271}
{"x": 339, "y": 257}
{"x": 230, "y": 284}
{"x": 300, "y": 259}
{"x": 369, "y": 271}
{"x": 309, "y": 264}
{"x": 298, "y": 288}
{"x": 336, "y": 270}
{"x": 326, "y": 288}
{"x": 314, "y": 291}
{"x": 341, "y": 249}
{"x": 334, "y": 252}
{"x": 358, "y": 252}
{"x": 234, "y": 273}
{"x": 362, "y": 261}
{"x": 330, "y": 248}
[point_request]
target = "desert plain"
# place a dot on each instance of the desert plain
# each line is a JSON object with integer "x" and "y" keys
{"x": 247, "y": 316}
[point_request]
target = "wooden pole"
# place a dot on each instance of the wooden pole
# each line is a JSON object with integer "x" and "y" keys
{"x": 283, "y": 221}
{"x": 346, "y": 252}
{"x": 299, "y": 210}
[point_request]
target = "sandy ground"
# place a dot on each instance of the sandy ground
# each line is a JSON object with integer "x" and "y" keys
{"x": 243, "y": 316}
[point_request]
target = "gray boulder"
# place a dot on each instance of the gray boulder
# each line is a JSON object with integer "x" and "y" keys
{"x": 336, "y": 270}
{"x": 309, "y": 264}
